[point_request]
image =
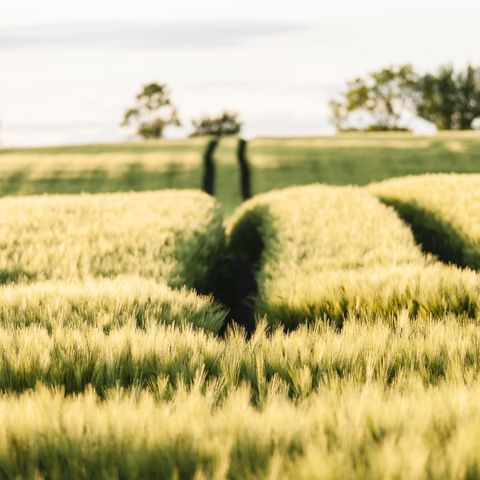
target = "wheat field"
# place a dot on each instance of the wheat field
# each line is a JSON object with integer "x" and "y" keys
{"x": 330, "y": 252}
{"x": 388, "y": 400}
{"x": 151, "y": 234}
{"x": 118, "y": 358}
{"x": 443, "y": 211}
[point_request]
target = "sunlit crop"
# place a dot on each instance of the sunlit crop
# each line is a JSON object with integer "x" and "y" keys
{"x": 443, "y": 210}
{"x": 330, "y": 252}
{"x": 117, "y": 359}
{"x": 172, "y": 236}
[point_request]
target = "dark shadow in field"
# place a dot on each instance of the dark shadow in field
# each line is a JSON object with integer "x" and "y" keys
{"x": 234, "y": 282}
{"x": 208, "y": 178}
{"x": 245, "y": 249}
{"x": 132, "y": 178}
{"x": 15, "y": 276}
{"x": 238, "y": 291}
{"x": 12, "y": 183}
{"x": 60, "y": 183}
{"x": 433, "y": 234}
{"x": 245, "y": 182}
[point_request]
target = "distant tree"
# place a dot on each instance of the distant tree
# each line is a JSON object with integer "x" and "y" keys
{"x": 384, "y": 94}
{"x": 154, "y": 111}
{"x": 226, "y": 123}
{"x": 449, "y": 99}
{"x": 339, "y": 115}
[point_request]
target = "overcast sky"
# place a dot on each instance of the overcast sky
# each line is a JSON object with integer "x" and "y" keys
{"x": 69, "y": 68}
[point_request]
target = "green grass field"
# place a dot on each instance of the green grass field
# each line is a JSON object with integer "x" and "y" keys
{"x": 359, "y": 159}
{"x": 125, "y": 167}
{"x": 276, "y": 163}
{"x": 119, "y": 360}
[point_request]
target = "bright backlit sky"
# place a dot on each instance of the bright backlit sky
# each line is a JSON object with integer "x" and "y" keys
{"x": 69, "y": 68}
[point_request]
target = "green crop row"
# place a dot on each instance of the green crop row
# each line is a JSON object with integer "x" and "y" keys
{"x": 443, "y": 211}
{"x": 331, "y": 252}
{"x": 387, "y": 352}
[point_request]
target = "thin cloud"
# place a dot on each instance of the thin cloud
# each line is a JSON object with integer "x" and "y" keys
{"x": 167, "y": 35}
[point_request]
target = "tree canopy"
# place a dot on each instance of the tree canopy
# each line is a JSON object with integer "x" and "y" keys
{"x": 226, "y": 123}
{"x": 449, "y": 99}
{"x": 153, "y": 111}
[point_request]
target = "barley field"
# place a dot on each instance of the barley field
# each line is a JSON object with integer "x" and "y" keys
{"x": 122, "y": 352}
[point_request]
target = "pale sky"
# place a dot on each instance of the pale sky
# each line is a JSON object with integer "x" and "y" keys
{"x": 68, "y": 69}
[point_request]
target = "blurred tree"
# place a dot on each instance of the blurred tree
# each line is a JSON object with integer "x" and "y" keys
{"x": 339, "y": 115}
{"x": 226, "y": 123}
{"x": 449, "y": 99}
{"x": 154, "y": 111}
{"x": 385, "y": 94}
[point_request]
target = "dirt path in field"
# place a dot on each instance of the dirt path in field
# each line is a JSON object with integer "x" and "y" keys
{"x": 237, "y": 287}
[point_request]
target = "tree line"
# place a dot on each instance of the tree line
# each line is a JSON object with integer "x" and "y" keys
{"x": 448, "y": 98}
{"x": 387, "y": 99}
